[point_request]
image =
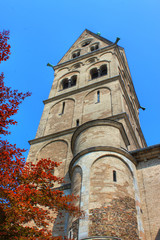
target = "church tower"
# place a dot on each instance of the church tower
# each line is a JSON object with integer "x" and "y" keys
{"x": 90, "y": 123}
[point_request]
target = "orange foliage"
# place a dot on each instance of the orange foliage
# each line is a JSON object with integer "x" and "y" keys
{"x": 27, "y": 191}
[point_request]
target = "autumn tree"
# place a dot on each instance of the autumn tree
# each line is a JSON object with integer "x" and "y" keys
{"x": 27, "y": 193}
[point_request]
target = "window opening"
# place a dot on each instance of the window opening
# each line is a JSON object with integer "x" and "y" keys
{"x": 76, "y": 54}
{"x": 73, "y": 80}
{"x": 98, "y": 96}
{"x": 94, "y": 73}
{"x": 103, "y": 70}
{"x": 77, "y": 122}
{"x": 63, "y": 106}
{"x": 65, "y": 83}
{"x": 114, "y": 176}
{"x": 85, "y": 44}
{"x": 94, "y": 47}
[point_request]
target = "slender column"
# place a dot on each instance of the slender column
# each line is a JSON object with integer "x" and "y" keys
{"x": 69, "y": 82}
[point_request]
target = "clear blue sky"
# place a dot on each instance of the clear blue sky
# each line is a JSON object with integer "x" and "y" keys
{"x": 41, "y": 31}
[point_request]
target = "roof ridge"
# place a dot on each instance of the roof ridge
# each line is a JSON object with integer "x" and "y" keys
{"x": 99, "y": 37}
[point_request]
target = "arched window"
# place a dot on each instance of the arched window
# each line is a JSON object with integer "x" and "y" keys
{"x": 76, "y": 54}
{"x": 94, "y": 47}
{"x": 98, "y": 96}
{"x": 67, "y": 83}
{"x": 94, "y": 73}
{"x": 62, "y": 109}
{"x": 77, "y": 122}
{"x": 114, "y": 176}
{"x": 73, "y": 80}
{"x": 103, "y": 70}
{"x": 84, "y": 44}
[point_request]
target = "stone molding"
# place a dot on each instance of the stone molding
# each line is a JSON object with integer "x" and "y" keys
{"x": 51, "y": 136}
{"x": 71, "y": 130}
{"x": 148, "y": 153}
{"x": 93, "y": 85}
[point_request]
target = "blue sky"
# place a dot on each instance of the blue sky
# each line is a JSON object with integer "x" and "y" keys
{"x": 42, "y": 32}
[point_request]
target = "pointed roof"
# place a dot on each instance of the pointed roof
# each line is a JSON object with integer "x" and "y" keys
{"x": 86, "y": 34}
{"x": 99, "y": 37}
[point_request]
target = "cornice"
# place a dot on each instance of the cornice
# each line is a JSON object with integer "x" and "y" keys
{"x": 71, "y": 130}
{"x": 52, "y": 136}
{"x": 93, "y": 85}
{"x": 146, "y": 154}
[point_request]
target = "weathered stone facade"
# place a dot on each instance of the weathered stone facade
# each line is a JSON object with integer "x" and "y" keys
{"x": 90, "y": 123}
{"x": 121, "y": 220}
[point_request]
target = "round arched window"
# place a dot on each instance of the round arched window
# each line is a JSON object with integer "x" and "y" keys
{"x": 69, "y": 82}
{"x": 65, "y": 83}
{"x": 103, "y": 70}
{"x": 94, "y": 73}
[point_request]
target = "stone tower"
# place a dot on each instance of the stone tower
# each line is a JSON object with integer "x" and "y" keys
{"x": 90, "y": 123}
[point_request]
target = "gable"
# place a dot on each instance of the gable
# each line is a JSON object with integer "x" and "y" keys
{"x": 84, "y": 44}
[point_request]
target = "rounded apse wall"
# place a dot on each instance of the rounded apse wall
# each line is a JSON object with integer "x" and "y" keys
{"x": 108, "y": 183}
{"x": 112, "y": 208}
{"x": 99, "y": 133}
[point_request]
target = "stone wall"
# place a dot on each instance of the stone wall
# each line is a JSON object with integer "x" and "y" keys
{"x": 56, "y": 151}
{"x": 97, "y": 105}
{"x": 84, "y": 106}
{"x": 149, "y": 186}
{"x": 76, "y": 180}
{"x": 116, "y": 220}
{"x": 108, "y": 201}
{"x": 60, "y": 116}
{"x": 99, "y": 133}
{"x": 112, "y": 200}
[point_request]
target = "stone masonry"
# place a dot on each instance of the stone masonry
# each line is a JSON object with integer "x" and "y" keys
{"x": 90, "y": 124}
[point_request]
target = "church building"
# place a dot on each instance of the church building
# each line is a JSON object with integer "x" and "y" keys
{"x": 90, "y": 123}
